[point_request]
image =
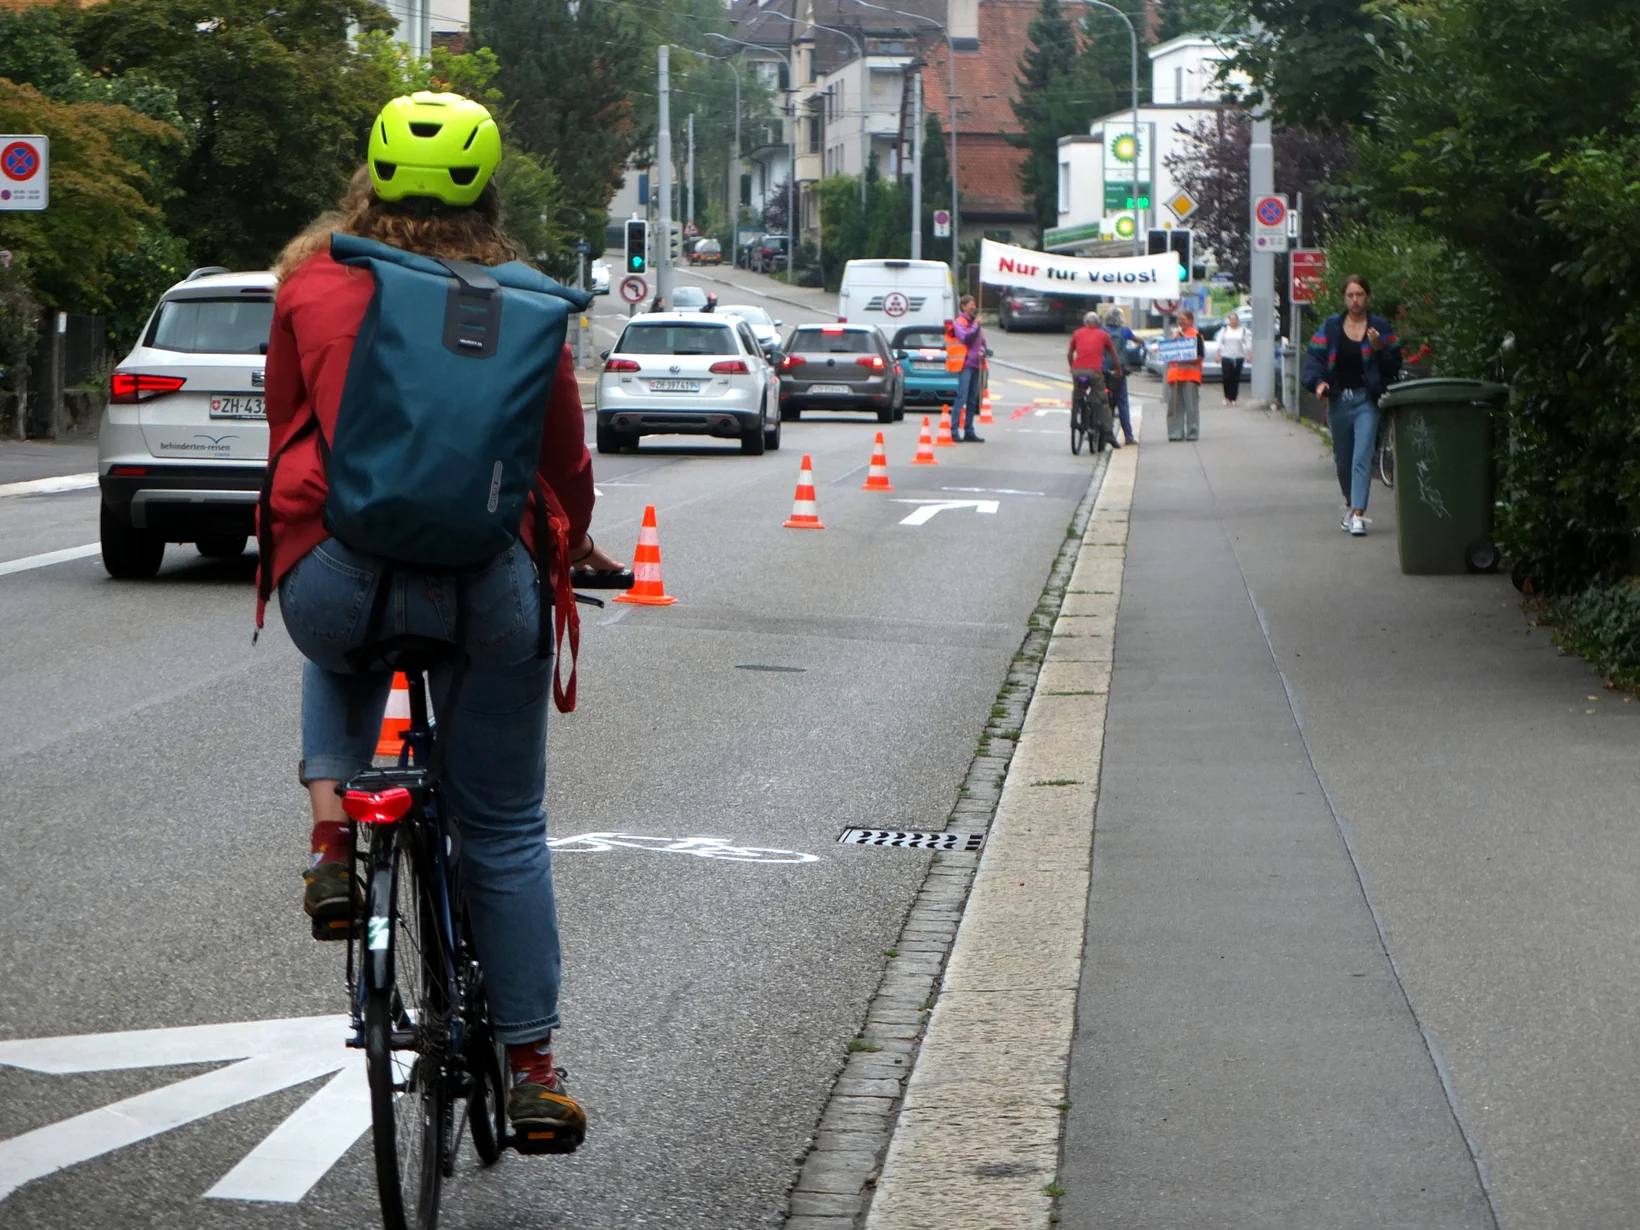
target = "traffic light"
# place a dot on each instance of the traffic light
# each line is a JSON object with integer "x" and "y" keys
{"x": 637, "y": 246}
{"x": 1176, "y": 241}
{"x": 676, "y": 246}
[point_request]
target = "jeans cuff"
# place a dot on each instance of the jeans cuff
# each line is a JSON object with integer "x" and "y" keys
{"x": 517, "y": 1035}
{"x": 329, "y": 768}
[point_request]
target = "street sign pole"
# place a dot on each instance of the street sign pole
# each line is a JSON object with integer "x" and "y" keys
{"x": 1290, "y": 368}
{"x": 663, "y": 155}
{"x": 916, "y": 166}
{"x": 1261, "y": 176}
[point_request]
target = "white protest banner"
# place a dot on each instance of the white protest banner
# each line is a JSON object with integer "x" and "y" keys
{"x": 1128, "y": 277}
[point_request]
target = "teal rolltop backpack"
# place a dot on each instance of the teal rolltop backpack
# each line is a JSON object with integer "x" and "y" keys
{"x": 438, "y": 435}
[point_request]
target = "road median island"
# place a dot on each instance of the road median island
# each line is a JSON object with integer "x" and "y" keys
{"x": 972, "y": 1136}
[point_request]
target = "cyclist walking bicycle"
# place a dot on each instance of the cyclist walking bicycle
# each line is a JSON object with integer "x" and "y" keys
{"x": 1117, "y": 384}
{"x": 425, "y": 207}
{"x": 1090, "y": 352}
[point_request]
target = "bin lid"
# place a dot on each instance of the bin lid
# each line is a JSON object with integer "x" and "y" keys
{"x": 1444, "y": 391}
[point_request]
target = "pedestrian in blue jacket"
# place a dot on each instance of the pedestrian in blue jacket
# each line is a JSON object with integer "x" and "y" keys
{"x": 1349, "y": 363}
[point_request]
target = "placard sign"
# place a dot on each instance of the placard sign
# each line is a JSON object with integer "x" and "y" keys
{"x": 1177, "y": 350}
{"x": 25, "y": 171}
{"x": 1309, "y": 269}
{"x": 1130, "y": 277}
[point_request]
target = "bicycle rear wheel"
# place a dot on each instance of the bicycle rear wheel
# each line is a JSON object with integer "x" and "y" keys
{"x": 1386, "y": 459}
{"x": 407, "y": 1024}
{"x": 1078, "y": 430}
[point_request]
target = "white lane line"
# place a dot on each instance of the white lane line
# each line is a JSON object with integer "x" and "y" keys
{"x": 46, "y": 486}
{"x": 50, "y": 557}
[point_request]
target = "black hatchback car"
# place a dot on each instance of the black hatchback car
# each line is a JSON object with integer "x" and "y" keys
{"x": 840, "y": 367}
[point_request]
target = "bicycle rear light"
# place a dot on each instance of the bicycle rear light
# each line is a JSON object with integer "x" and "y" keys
{"x": 377, "y": 807}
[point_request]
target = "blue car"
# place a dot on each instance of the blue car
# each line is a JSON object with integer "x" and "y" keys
{"x": 919, "y": 351}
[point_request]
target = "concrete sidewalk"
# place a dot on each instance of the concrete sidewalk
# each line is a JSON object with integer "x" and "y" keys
{"x": 1363, "y": 880}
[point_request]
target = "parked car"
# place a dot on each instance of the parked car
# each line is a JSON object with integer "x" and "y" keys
{"x": 840, "y": 367}
{"x": 919, "y": 352}
{"x": 184, "y": 439}
{"x": 706, "y": 252}
{"x": 764, "y": 327}
{"x": 769, "y": 253}
{"x": 600, "y": 277}
{"x": 746, "y": 254}
{"x": 1022, "y": 308}
{"x": 685, "y": 373}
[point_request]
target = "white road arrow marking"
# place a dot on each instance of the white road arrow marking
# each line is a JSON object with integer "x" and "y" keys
{"x": 1044, "y": 411}
{"x": 933, "y": 508}
{"x": 263, "y": 1057}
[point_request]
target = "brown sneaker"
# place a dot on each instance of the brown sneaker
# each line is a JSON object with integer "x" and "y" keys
{"x": 333, "y": 900}
{"x": 545, "y": 1119}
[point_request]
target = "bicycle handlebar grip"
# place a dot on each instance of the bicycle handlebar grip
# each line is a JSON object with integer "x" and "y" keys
{"x": 600, "y": 578}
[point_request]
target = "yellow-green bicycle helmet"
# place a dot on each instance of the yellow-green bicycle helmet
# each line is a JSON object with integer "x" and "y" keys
{"x": 433, "y": 145}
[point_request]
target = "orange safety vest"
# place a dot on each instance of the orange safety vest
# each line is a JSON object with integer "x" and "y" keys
{"x": 955, "y": 352}
{"x": 1187, "y": 372}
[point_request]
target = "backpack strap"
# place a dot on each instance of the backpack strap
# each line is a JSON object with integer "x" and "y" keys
{"x": 557, "y": 595}
{"x": 264, "y": 516}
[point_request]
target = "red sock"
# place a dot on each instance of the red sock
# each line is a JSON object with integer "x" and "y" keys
{"x": 531, "y": 1063}
{"x": 330, "y": 842}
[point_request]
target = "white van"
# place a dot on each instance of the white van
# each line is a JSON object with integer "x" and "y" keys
{"x": 892, "y": 294}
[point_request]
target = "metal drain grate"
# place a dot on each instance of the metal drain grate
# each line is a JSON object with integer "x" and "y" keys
{"x": 912, "y": 841}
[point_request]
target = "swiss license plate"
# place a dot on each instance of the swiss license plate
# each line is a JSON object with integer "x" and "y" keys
{"x": 238, "y": 408}
{"x": 674, "y": 386}
{"x": 828, "y": 388}
{"x": 930, "y": 365}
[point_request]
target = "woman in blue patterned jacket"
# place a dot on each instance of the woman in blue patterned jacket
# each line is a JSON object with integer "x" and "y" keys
{"x": 1351, "y": 360}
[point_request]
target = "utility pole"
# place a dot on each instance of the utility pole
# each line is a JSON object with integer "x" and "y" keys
{"x": 1261, "y": 181}
{"x": 916, "y": 164}
{"x": 663, "y": 155}
{"x": 1289, "y": 365}
{"x": 690, "y": 215}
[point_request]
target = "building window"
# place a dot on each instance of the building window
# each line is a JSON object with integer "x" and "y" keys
{"x": 1178, "y": 85}
{"x": 1064, "y": 187}
{"x": 814, "y": 134}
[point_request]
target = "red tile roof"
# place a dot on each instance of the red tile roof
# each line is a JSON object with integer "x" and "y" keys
{"x": 988, "y": 175}
{"x": 985, "y": 77}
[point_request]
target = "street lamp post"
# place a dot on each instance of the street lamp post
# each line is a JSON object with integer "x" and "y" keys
{"x": 951, "y": 95}
{"x": 860, "y": 53}
{"x": 732, "y": 201}
{"x": 1133, "y": 39}
{"x": 791, "y": 145}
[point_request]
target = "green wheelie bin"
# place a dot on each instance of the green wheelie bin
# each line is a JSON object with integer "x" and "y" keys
{"x": 1443, "y": 473}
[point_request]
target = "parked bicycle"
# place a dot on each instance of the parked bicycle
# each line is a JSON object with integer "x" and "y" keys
{"x": 415, "y": 984}
{"x": 1384, "y": 452}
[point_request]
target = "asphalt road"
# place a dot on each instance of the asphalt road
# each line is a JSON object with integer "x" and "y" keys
{"x": 155, "y": 833}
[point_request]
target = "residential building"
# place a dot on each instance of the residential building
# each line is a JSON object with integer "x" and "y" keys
{"x": 425, "y": 24}
{"x": 1095, "y": 176}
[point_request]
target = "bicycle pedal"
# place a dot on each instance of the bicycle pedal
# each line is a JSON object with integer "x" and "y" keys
{"x": 543, "y": 1140}
{"x": 332, "y": 929}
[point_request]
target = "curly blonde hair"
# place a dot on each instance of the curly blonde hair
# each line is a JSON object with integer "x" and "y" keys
{"x": 472, "y": 234}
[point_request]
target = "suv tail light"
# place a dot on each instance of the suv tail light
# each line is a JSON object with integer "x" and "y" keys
{"x": 377, "y": 807}
{"x": 791, "y": 361}
{"x": 729, "y": 367}
{"x": 621, "y": 365}
{"x": 128, "y": 388}
{"x": 873, "y": 361}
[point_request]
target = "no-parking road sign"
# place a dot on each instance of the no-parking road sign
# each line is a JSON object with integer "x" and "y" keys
{"x": 1270, "y": 224}
{"x": 25, "y": 171}
{"x": 634, "y": 290}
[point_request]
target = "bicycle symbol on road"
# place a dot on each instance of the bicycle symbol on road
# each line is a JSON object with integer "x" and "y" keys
{"x": 19, "y": 161}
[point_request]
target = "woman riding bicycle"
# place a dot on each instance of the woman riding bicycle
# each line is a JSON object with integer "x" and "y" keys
{"x": 494, "y": 740}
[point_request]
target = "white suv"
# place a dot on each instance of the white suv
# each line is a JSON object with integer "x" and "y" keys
{"x": 184, "y": 440}
{"x": 690, "y": 373}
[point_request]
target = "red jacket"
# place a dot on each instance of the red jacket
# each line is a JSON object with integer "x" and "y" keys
{"x": 315, "y": 319}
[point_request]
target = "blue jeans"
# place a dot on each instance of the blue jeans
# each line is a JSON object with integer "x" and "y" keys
{"x": 1118, "y": 391}
{"x": 495, "y": 744}
{"x": 966, "y": 408}
{"x": 1352, "y": 416}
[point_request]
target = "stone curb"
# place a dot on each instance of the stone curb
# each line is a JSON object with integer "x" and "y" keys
{"x": 976, "y": 1144}
{"x": 840, "y": 1171}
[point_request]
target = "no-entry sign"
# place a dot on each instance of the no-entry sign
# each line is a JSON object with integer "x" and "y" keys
{"x": 25, "y": 170}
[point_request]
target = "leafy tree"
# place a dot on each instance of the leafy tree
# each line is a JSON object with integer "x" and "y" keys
{"x": 1048, "y": 105}
{"x": 1315, "y": 62}
{"x": 277, "y": 100}
{"x": 569, "y": 69}
{"x": 99, "y": 194}
{"x": 1176, "y": 17}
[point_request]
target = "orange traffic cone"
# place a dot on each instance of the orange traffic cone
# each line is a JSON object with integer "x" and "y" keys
{"x": 985, "y": 408}
{"x": 805, "y": 512}
{"x": 396, "y": 721}
{"x": 925, "y": 447}
{"x": 877, "y": 476}
{"x": 648, "y": 589}
{"x": 944, "y": 440}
